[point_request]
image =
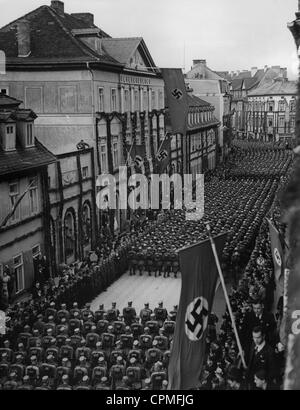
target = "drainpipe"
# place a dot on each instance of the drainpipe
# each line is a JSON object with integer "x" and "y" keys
{"x": 95, "y": 122}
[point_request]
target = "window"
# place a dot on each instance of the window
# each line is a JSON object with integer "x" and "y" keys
{"x": 19, "y": 273}
{"x": 29, "y": 135}
{"x": 136, "y": 100}
{"x": 115, "y": 154}
{"x": 14, "y": 194}
{"x": 271, "y": 106}
{"x": 292, "y": 121}
{"x": 153, "y": 100}
{"x": 85, "y": 172}
{"x": 281, "y": 105}
{"x": 33, "y": 195}
{"x": 281, "y": 122}
{"x": 127, "y": 100}
{"x": 101, "y": 99}
{"x": 113, "y": 99}
{"x": 9, "y": 129}
{"x": 103, "y": 157}
{"x": 36, "y": 251}
{"x": 4, "y": 91}
{"x": 161, "y": 100}
{"x": 145, "y": 100}
{"x": 270, "y": 123}
{"x": 292, "y": 105}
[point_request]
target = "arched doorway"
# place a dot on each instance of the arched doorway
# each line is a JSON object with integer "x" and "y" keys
{"x": 70, "y": 236}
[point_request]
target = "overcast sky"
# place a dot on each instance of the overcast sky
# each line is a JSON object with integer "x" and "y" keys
{"x": 229, "y": 34}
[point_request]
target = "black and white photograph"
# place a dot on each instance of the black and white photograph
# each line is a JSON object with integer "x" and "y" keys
{"x": 149, "y": 197}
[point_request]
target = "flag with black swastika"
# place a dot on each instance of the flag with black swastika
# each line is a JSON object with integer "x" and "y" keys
{"x": 199, "y": 281}
{"x": 138, "y": 153}
{"x": 163, "y": 157}
{"x": 177, "y": 99}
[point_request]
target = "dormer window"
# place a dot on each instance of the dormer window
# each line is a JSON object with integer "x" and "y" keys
{"x": 29, "y": 135}
{"x": 9, "y": 138}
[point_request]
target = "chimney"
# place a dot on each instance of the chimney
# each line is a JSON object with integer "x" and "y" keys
{"x": 23, "y": 38}
{"x": 253, "y": 71}
{"x": 266, "y": 68}
{"x": 58, "y": 6}
{"x": 88, "y": 18}
{"x": 196, "y": 62}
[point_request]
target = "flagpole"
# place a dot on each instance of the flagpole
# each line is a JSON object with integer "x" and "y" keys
{"x": 214, "y": 249}
{"x": 14, "y": 208}
{"x": 165, "y": 136}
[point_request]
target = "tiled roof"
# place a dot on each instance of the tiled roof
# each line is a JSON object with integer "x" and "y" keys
{"x": 24, "y": 159}
{"x": 121, "y": 49}
{"x": 8, "y": 102}
{"x": 237, "y": 84}
{"x": 195, "y": 101}
{"x": 276, "y": 87}
{"x": 51, "y": 39}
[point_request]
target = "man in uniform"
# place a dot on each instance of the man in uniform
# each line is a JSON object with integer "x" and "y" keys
{"x": 117, "y": 372}
{"x": 129, "y": 314}
{"x": 113, "y": 313}
{"x": 158, "y": 376}
{"x": 99, "y": 313}
{"x": 153, "y": 325}
{"x": 160, "y": 313}
{"x": 145, "y": 314}
{"x": 65, "y": 383}
{"x": 162, "y": 341}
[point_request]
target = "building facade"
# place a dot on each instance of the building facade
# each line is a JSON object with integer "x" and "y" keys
{"x": 208, "y": 85}
{"x": 271, "y": 110}
{"x": 85, "y": 87}
{"x": 24, "y": 233}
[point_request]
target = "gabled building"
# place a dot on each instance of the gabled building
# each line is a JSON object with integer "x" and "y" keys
{"x": 24, "y": 161}
{"x": 84, "y": 86}
{"x": 208, "y": 85}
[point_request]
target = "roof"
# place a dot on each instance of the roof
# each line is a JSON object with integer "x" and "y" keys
{"x": 8, "y": 102}
{"x": 25, "y": 159}
{"x": 278, "y": 86}
{"x": 16, "y": 114}
{"x": 121, "y": 49}
{"x": 51, "y": 39}
{"x": 237, "y": 84}
{"x": 204, "y": 86}
{"x": 195, "y": 101}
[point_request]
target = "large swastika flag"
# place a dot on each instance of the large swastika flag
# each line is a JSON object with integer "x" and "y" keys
{"x": 199, "y": 280}
{"x": 177, "y": 100}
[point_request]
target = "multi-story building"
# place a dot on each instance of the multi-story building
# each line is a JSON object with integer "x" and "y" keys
{"x": 271, "y": 110}
{"x": 24, "y": 233}
{"x": 241, "y": 84}
{"x": 84, "y": 85}
{"x": 196, "y": 151}
{"x": 208, "y": 85}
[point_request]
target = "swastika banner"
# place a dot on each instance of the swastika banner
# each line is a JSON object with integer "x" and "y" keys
{"x": 177, "y": 100}
{"x": 278, "y": 260}
{"x": 199, "y": 280}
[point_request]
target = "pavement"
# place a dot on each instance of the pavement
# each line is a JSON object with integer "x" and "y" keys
{"x": 143, "y": 289}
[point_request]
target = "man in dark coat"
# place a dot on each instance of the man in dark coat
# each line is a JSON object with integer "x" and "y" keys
{"x": 261, "y": 357}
